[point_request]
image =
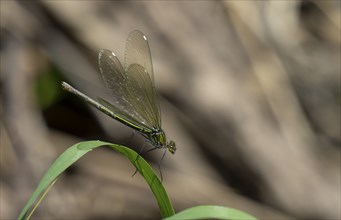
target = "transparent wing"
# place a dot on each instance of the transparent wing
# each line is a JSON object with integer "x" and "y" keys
{"x": 134, "y": 97}
{"x": 142, "y": 96}
{"x": 132, "y": 122}
{"x": 115, "y": 79}
{"x": 138, "y": 52}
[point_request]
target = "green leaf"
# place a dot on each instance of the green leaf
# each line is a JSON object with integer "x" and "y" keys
{"x": 72, "y": 154}
{"x": 211, "y": 212}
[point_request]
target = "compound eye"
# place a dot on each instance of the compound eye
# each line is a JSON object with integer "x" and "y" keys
{"x": 171, "y": 147}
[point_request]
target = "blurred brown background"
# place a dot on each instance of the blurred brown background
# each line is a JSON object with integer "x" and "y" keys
{"x": 250, "y": 92}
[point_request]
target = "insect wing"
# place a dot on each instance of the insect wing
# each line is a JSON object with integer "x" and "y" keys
{"x": 141, "y": 80}
{"x": 138, "y": 52}
{"x": 142, "y": 92}
{"x": 123, "y": 117}
{"x": 115, "y": 79}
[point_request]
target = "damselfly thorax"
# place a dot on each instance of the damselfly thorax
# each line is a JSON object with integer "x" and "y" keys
{"x": 158, "y": 138}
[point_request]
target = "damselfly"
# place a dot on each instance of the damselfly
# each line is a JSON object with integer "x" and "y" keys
{"x": 134, "y": 99}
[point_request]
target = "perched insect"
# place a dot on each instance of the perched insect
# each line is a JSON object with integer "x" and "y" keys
{"x": 135, "y": 102}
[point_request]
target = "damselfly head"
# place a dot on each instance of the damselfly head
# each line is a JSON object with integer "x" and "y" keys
{"x": 171, "y": 147}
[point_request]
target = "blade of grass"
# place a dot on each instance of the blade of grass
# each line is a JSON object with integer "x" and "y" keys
{"x": 211, "y": 212}
{"x": 41, "y": 198}
{"x": 72, "y": 154}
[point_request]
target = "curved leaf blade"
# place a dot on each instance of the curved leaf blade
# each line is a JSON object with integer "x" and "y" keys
{"x": 75, "y": 152}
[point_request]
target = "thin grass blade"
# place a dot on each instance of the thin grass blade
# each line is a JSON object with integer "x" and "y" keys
{"x": 75, "y": 152}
